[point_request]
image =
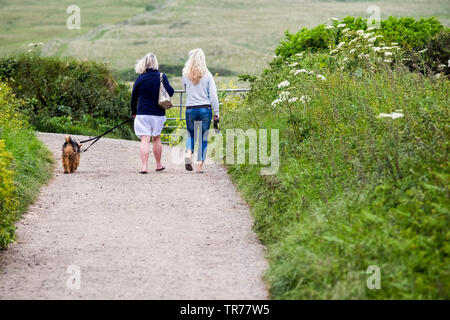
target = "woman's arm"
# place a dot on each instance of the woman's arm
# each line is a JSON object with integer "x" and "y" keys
{"x": 167, "y": 85}
{"x": 134, "y": 98}
{"x": 213, "y": 95}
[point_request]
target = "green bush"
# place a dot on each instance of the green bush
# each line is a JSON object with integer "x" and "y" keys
{"x": 433, "y": 58}
{"x": 8, "y": 201}
{"x": 25, "y": 164}
{"x": 354, "y": 189}
{"x": 55, "y": 87}
{"x": 407, "y": 32}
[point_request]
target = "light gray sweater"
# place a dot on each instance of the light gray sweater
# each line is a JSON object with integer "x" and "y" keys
{"x": 202, "y": 93}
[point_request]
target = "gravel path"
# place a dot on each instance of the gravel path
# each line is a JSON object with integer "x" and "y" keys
{"x": 167, "y": 235}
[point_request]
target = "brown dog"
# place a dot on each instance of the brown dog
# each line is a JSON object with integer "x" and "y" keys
{"x": 70, "y": 155}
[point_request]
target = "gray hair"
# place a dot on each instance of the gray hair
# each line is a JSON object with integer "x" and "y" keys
{"x": 149, "y": 61}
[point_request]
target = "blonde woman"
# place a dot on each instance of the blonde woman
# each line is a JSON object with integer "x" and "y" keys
{"x": 149, "y": 116}
{"x": 201, "y": 102}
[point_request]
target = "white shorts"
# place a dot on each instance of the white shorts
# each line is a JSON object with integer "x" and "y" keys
{"x": 146, "y": 125}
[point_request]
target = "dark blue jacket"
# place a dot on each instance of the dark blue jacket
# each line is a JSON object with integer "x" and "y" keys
{"x": 144, "y": 99}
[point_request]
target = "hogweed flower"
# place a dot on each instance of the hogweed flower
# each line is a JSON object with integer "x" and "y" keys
{"x": 329, "y": 27}
{"x": 283, "y": 84}
{"x": 275, "y": 102}
{"x": 293, "y": 64}
{"x": 321, "y": 77}
{"x": 393, "y": 115}
{"x": 292, "y": 100}
{"x": 305, "y": 99}
{"x": 300, "y": 71}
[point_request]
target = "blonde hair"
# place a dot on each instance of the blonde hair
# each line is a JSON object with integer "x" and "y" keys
{"x": 195, "y": 67}
{"x": 149, "y": 61}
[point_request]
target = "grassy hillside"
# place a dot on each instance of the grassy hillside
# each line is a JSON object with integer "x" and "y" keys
{"x": 238, "y": 36}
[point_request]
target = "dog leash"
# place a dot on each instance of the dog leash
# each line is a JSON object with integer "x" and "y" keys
{"x": 95, "y": 139}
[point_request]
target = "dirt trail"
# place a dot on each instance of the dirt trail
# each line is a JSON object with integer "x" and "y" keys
{"x": 168, "y": 235}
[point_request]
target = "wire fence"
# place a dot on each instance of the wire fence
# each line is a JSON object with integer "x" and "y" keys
{"x": 181, "y": 105}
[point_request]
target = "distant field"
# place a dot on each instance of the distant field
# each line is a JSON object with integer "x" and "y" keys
{"x": 238, "y": 36}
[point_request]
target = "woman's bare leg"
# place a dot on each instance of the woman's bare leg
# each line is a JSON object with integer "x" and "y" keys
{"x": 145, "y": 140}
{"x": 157, "y": 151}
{"x": 200, "y": 166}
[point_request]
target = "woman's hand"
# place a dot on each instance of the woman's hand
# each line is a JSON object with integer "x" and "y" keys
{"x": 216, "y": 117}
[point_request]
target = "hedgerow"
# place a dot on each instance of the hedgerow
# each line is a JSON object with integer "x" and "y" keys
{"x": 69, "y": 90}
{"x": 25, "y": 164}
{"x": 409, "y": 34}
{"x": 364, "y": 174}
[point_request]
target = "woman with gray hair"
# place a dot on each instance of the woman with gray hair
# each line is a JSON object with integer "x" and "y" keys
{"x": 149, "y": 116}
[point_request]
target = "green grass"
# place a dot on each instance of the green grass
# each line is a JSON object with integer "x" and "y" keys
{"x": 353, "y": 190}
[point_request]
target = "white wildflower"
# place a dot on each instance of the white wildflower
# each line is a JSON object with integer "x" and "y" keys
{"x": 423, "y": 51}
{"x": 333, "y": 51}
{"x": 31, "y": 44}
{"x": 342, "y": 25}
{"x": 356, "y": 39}
{"x": 387, "y": 61}
{"x": 346, "y": 30}
{"x": 394, "y": 43}
{"x": 335, "y": 19}
{"x": 310, "y": 72}
{"x": 40, "y": 43}
{"x": 321, "y": 77}
{"x": 284, "y": 95}
{"x": 386, "y": 48}
{"x": 376, "y": 49}
{"x": 371, "y": 28}
{"x": 388, "y": 54}
{"x": 329, "y": 27}
{"x": 275, "y": 102}
{"x": 293, "y": 64}
{"x": 372, "y": 39}
{"x": 360, "y": 32}
{"x": 438, "y": 76}
{"x": 345, "y": 59}
{"x": 300, "y": 71}
{"x": 283, "y": 84}
{"x": 340, "y": 45}
{"x": 393, "y": 115}
{"x": 305, "y": 99}
{"x": 299, "y": 54}
{"x": 353, "y": 51}
{"x": 292, "y": 100}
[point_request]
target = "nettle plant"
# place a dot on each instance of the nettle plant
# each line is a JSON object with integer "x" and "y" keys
{"x": 364, "y": 46}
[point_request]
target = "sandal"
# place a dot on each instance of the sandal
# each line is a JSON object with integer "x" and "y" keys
{"x": 161, "y": 169}
{"x": 143, "y": 172}
{"x": 188, "y": 164}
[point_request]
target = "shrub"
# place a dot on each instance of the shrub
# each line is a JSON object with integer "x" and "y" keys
{"x": 25, "y": 164}
{"x": 407, "y": 32}
{"x": 8, "y": 201}
{"x": 55, "y": 87}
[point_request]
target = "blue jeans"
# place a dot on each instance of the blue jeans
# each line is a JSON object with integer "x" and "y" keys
{"x": 194, "y": 119}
